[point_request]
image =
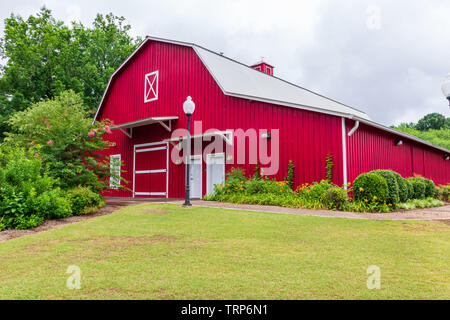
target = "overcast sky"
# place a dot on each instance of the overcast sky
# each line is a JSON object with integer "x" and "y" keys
{"x": 387, "y": 58}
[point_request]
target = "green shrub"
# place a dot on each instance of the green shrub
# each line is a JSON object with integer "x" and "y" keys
{"x": 314, "y": 191}
{"x": 334, "y": 198}
{"x": 443, "y": 192}
{"x": 255, "y": 186}
{"x": 420, "y": 203}
{"x": 419, "y": 187}
{"x": 28, "y": 195}
{"x": 81, "y": 198}
{"x": 329, "y": 167}
{"x": 402, "y": 183}
{"x": 237, "y": 174}
{"x": 370, "y": 187}
{"x": 410, "y": 187}
{"x": 391, "y": 180}
{"x": 430, "y": 187}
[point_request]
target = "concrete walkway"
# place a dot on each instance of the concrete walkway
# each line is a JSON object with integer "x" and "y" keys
{"x": 438, "y": 213}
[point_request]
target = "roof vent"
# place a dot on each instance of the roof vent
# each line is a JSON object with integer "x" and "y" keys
{"x": 264, "y": 67}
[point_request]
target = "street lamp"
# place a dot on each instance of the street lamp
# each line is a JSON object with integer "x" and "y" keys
{"x": 188, "y": 108}
{"x": 446, "y": 87}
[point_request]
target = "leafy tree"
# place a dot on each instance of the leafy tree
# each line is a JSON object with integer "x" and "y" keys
{"x": 44, "y": 57}
{"x": 433, "y": 127}
{"x": 69, "y": 144}
{"x": 434, "y": 121}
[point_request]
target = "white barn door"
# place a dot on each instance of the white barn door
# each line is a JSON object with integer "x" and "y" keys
{"x": 196, "y": 177}
{"x": 215, "y": 170}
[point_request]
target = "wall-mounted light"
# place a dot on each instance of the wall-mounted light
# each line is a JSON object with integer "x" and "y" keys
{"x": 446, "y": 157}
{"x": 398, "y": 142}
{"x": 265, "y": 135}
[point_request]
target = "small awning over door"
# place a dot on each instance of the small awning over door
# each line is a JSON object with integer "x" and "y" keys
{"x": 127, "y": 128}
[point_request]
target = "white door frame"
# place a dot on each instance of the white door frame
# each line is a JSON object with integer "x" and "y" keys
{"x": 197, "y": 157}
{"x": 208, "y": 158}
{"x": 166, "y": 147}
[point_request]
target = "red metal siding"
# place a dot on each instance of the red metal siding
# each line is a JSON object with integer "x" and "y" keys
{"x": 305, "y": 137}
{"x": 371, "y": 148}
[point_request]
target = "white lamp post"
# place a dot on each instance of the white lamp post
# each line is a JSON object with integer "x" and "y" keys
{"x": 446, "y": 87}
{"x": 188, "y": 108}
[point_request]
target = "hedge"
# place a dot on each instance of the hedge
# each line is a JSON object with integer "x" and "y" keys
{"x": 393, "y": 193}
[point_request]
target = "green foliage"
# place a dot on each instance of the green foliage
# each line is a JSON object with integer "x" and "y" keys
{"x": 434, "y": 121}
{"x": 44, "y": 57}
{"x": 362, "y": 206}
{"x": 403, "y": 191}
{"x": 329, "y": 167}
{"x": 334, "y": 198}
{"x": 419, "y": 187}
{"x": 439, "y": 137}
{"x": 370, "y": 187}
{"x": 430, "y": 187}
{"x": 410, "y": 189}
{"x": 28, "y": 195}
{"x": 58, "y": 131}
{"x": 290, "y": 174}
{"x": 420, "y": 203}
{"x": 236, "y": 174}
{"x": 83, "y": 200}
{"x": 443, "y": 192}
{"x": 257, "y": 174}
{"x": 393, "y": 192}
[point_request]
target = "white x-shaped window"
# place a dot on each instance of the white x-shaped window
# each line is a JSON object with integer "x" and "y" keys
{"x": 151, "y": 86}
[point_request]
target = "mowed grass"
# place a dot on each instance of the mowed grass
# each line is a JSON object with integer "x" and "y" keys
{"x": 163, "y": 251}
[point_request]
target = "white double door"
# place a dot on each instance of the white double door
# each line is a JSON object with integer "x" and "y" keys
{"x": 215, "y": 173}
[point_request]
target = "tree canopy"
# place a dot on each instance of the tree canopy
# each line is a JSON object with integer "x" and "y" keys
{"x": 433, "y": 127}
{"x": 45, "y": 57}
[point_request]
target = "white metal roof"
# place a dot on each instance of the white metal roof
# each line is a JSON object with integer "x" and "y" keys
{"x": 239, "y": 80}
{"x": 242, "y": 81}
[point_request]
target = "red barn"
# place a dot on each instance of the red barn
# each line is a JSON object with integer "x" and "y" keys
{"x": 243, "y": 115}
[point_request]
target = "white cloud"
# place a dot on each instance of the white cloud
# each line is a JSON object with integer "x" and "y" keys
{"x": 393, "y": 72}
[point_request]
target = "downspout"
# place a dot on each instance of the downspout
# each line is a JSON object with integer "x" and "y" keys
{"x": 344, "y": 147}
{"x": 344, "y": 154}
{"x": 354, "y": 128}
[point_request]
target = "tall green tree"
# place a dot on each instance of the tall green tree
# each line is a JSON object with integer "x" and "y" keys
{"x": 434, "y": 121}
{"x": 44, "y": 57}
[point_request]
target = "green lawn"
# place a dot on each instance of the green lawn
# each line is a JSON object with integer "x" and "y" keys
{"x": 168, "y": 252}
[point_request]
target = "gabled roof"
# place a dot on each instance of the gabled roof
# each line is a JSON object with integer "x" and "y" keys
{"x": 239, "y": 80}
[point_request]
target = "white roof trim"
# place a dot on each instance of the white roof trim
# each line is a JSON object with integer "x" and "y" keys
{"x": 143, "y": 122}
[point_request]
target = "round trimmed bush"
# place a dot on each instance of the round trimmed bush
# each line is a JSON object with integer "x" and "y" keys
{"x": 393, "y": 193}
{"x": 410, "y": 189}
{"x": 403, "y": 191}
{"x": 419, "y": 187}
{"x": 370, "y": 187}
{"x": 430, "y": 187}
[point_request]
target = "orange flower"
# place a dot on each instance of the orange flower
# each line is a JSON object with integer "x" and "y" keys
{"x": 220, "y": 186}
{"x": 361, "y": 189}
{"x": 374, "y": 197}
{"x": 390, "y": 204}
{"x": 307, "y": 190}
{"x": 242, "y": 182}
{"x": 365, "y": 200}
